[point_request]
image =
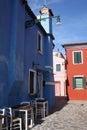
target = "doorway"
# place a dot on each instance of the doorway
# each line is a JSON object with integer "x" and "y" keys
{"x": 58, "y": 89}
{"x": 40, "y": 85}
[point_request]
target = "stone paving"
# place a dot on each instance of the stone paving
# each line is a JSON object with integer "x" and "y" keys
{"x": 72, "y": 116}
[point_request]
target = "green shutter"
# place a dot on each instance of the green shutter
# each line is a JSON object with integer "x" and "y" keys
{"x": 74, "y": 82}
{"x": 79, "y": 57}
{"x": 84, "y": 82}
{"x": 58, "y": 67}
{"x": 75, "y": 57}
{"x": 79, "y": 82}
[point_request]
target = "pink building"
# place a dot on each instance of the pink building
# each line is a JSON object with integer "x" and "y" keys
{"x": 60, "y": 76}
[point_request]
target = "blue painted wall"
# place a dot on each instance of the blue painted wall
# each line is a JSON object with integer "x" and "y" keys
{"x": 18, "y": 49}
{"x": 4, "y": 50}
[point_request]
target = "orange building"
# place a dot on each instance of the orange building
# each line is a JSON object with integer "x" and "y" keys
{"x": 76, "y": 55}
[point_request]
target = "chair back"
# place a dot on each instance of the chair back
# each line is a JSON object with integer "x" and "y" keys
{"x": 12, "y": 124}
{"x": 39, "y": 99}
{"x": 2, "y": 112}
{"x": 8, "y": 114}
{"x": 25, "y": 103}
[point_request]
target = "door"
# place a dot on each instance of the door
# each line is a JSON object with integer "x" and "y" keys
{"x": 40, "y": 85}
{"x": 57, "y": 89}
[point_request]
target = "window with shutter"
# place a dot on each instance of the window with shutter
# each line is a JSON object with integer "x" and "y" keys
{"x": 58, "y": 67}
{"x": 77, "y": 57}
{"x": 79, "y": 82}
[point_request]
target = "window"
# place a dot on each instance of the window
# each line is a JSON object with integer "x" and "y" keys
{"x": 39, "y": 42}
{"x": 32, "y": 82}
{"x": 79, "y": 82}
{"x": 77, "y": 57}
{"x": 56, "y": 54}
{"x": 58, "y": 67}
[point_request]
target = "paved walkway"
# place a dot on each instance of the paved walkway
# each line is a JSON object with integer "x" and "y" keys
{"x": 73, "y": 116}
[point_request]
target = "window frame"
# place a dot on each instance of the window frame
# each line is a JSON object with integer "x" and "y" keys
{"x": 39, "y": 43}
{"x": 83, "y": 82}
{"x": 34, "y": 83}
{"x": 81, "y": 57}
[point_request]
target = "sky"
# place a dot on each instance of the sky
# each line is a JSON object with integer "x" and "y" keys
{"x": 73, "y": 14}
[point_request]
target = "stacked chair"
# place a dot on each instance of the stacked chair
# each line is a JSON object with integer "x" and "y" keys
{"x": 10, "y": 123}
{"x": 40, "y": 110}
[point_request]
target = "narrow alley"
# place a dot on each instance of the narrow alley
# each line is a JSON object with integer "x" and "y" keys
{"x": 72, "y": 116}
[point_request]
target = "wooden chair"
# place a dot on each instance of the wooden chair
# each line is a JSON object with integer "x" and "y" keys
{"x": 12, "y": 123}
{"x": 30, "y": 116}
{"x": 4, "y": 127}
{"x": 41, "y": 107}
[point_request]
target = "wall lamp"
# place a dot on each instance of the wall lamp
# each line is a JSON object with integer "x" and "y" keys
{"x": 30, "y": 23}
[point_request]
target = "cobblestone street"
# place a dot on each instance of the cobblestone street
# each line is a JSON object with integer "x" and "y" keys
{"x": 72, "y": 116}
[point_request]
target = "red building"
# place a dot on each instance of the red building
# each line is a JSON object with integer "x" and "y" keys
{"x": 76, "y": 55}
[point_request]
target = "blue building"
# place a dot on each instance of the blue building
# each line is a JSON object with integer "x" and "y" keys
{"x": 25, "y": 54}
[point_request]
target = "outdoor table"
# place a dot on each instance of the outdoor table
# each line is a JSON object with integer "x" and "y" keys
{"x": 44, "y": 104}
{"x": 1, "y": 116}
{"x": 25, "y": 109}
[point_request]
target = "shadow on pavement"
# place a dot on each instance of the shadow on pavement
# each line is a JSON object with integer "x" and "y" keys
{"x": 61, "y": 101}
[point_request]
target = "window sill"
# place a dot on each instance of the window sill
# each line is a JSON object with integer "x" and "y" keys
{"x": 79, "y": 88}
{"x": 40, "y": 52}
{"x": 77, "y": 63}
{"x": 33, "y": 94}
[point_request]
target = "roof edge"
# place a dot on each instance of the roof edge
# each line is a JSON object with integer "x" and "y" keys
{"x": 73, "y": 45}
